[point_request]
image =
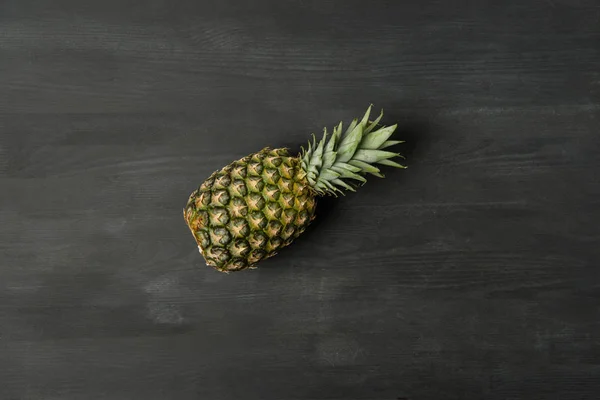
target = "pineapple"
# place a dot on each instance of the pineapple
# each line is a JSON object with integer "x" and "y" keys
{"x": 255, "y": 206}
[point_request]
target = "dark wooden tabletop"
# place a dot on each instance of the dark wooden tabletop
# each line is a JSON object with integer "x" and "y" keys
{"x": 473, "y": 274}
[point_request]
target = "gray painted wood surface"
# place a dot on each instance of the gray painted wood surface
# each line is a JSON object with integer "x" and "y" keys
{"x": 473, "y": 274}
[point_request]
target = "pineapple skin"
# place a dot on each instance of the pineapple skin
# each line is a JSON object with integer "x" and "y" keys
{"x": 251, "y": 208}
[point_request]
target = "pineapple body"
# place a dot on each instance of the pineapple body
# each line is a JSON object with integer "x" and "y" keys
{"x": 249, "y": 209}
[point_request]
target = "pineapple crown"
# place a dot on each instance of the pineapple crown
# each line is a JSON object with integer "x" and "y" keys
{"x": 342, "y": 161}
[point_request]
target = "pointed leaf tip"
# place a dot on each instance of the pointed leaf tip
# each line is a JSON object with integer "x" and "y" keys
{"x": 391, "y": 163}
{"x": 365, "y": 118}
{"x": 374, "y": 124}
{"x": 389, "y": 143}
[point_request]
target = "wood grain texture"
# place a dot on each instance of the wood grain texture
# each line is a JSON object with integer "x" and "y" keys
{"x": 473, "y": 274}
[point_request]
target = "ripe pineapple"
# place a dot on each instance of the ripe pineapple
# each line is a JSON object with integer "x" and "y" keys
{"x": 259, "y": 204}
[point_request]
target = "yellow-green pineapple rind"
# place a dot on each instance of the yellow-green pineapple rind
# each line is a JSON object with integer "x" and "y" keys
{"x": 249, "y": 209}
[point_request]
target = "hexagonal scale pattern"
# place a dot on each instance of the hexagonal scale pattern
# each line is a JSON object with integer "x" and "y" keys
{"x": 250, "y": 209}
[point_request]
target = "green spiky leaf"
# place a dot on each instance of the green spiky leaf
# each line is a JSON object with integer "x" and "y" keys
{"x": 373, "y": 156}
{"x": 390, "y": 143}
{"x": 374, "y": 124}
{"x": 374, "y": 140}
{"x": 391, "y": 163}
{"x": 343, "y": 184}
{"x": 367, "y": 168}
